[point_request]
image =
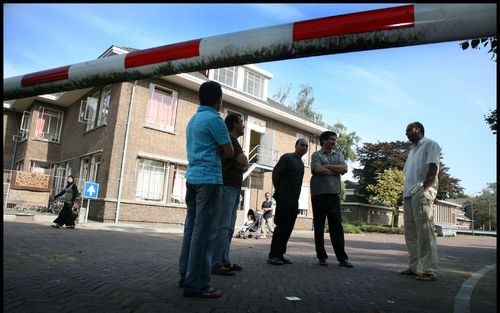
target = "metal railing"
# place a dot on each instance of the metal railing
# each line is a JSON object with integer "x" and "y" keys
{"x": 263, "y": 155}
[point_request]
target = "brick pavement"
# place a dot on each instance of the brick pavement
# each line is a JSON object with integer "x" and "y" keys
{"x": 93, "y": 270}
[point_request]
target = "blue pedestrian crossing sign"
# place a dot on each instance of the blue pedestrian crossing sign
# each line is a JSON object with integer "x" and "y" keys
{"x": 90, "y": 190}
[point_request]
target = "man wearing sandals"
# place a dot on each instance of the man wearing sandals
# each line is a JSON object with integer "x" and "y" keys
{"x": 420, "y": 190}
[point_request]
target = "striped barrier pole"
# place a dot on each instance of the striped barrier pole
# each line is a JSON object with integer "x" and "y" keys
{"x": 377, "y": 29}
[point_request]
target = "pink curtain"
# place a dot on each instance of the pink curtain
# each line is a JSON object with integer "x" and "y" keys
{"x": 160, "y": 110}
{"x": 39, "y": 127}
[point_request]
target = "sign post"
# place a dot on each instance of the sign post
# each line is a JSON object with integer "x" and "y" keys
{"x": 90, "y": 191}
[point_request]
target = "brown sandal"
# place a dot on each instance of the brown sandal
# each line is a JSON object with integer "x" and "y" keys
{"x": 427, "y": 277}
{"x": 408, "y": 272}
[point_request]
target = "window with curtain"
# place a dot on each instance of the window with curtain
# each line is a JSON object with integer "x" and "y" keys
{"x": 226, "y": 76}
{"x": 92, "y": 104}
{"x": 178, "y": 185}
{"x": 151, "y": 179}
{"x": 161, "y": 108}
{"x": 104, "y": 107}
{"x": 89, "y": 167}
{"x": 49, "y": 124}
{"x": 97, "y": 108}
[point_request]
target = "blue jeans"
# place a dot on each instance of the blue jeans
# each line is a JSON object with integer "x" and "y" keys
{"x": 200, "y": 230}
{"x": 227, "y": 219}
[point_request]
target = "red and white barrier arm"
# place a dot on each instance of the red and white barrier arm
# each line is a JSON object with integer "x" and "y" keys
{"x": 385, "y": 28}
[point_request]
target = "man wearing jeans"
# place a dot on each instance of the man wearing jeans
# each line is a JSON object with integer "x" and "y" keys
{"x": 232, "y": 175}
{"x": 207, "y": 141}
{"x": 326, "y": 167}
{"x": 420, "y": 190}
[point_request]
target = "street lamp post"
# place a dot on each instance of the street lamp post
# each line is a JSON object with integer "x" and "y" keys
{"x": 472, "y": 214}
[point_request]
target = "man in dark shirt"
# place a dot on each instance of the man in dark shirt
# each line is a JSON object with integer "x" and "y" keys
{"x": 232, "y": 176}
{"x": 287, "y": 180}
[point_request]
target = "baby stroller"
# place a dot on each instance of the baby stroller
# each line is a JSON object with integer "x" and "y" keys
{"x": 250, "y": 226}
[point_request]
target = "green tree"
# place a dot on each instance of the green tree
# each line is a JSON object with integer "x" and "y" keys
{"x": 303, "y": 104}
{"x": 375, "y": 158}
{"x": 491, "y": 119}
{"x": 342, "y": 190}
{"x": 484, "y": 42}
{"x": 485, "y": 208}
{"x": 387, "y": 190}
{"x": 346, "y": 142}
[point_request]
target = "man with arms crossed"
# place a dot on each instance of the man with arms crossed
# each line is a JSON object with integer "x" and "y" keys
{"x": 326, "y": 167}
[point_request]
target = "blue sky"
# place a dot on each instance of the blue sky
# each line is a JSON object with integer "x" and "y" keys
{"x": 375, "y": 93}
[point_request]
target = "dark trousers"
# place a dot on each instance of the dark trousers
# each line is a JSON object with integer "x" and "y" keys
{"x": 284, "y": 218}
{"x": 66, "y": 215}
{"x": 328, "y": 206}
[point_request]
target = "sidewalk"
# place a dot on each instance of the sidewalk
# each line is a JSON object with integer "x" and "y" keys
{"x": 134, "y": 268}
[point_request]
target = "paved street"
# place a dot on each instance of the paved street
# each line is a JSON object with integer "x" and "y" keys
{"x": 123, "y": 268}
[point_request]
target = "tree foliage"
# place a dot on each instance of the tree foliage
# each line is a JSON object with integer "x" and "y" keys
{"x": 482, "y": 42}
{"x": 375, "y": 158}
{"x": 484, "y": 207}
{"x": 346, "y": 142}
{"x": 390, "y": 184}
{"x": 303, "y": 104}
{"x": 491, "y": 119}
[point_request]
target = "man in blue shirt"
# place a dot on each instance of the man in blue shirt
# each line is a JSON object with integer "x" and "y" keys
{"x": 207, "y": 142}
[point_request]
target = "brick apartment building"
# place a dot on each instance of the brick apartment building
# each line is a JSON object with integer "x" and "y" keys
{"x": 130, "y": 138}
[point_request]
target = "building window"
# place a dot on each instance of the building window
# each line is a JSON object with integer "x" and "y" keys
{"x": 161, "y": 109}
{"x": 92, "y": 103}
{"x": 97, "y": 108}
{"x": 151, "y": 180}
{"x": 253, "y": 84}
{"x": 305, "y": 157}
{"x": 104, "y": 107}
{"x": 41, "y": 167}
{"x": 226, "y": 76}
{"x": 62, "y": 171}
{"x": 25, "y": 125}
{"x": 304, "y": 200}
{"x": 178, "y": 185}
{"x": 89, "y": 168}
{"x": 49, "y": 124}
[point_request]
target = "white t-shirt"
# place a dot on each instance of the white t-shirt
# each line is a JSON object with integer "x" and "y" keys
{"x": 423, "y": 153}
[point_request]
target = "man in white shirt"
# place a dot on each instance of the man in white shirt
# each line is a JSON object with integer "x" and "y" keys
{"x": 420, "y": 190}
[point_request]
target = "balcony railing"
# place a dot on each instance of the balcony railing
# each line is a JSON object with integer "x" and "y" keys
{"x": 263, "y": 155}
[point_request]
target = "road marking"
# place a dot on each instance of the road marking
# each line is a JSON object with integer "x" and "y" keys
{"x": 462, "y": 299}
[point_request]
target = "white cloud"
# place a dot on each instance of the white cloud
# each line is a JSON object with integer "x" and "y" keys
{"x": 281, "y": 12}
{"x": 379, "y": 86}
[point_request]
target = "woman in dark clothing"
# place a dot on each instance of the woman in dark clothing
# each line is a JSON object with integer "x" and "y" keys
{"x": 69, "y": 194}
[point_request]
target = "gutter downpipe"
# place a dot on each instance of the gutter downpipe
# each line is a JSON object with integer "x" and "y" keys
{"x": 122, "y": 169}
